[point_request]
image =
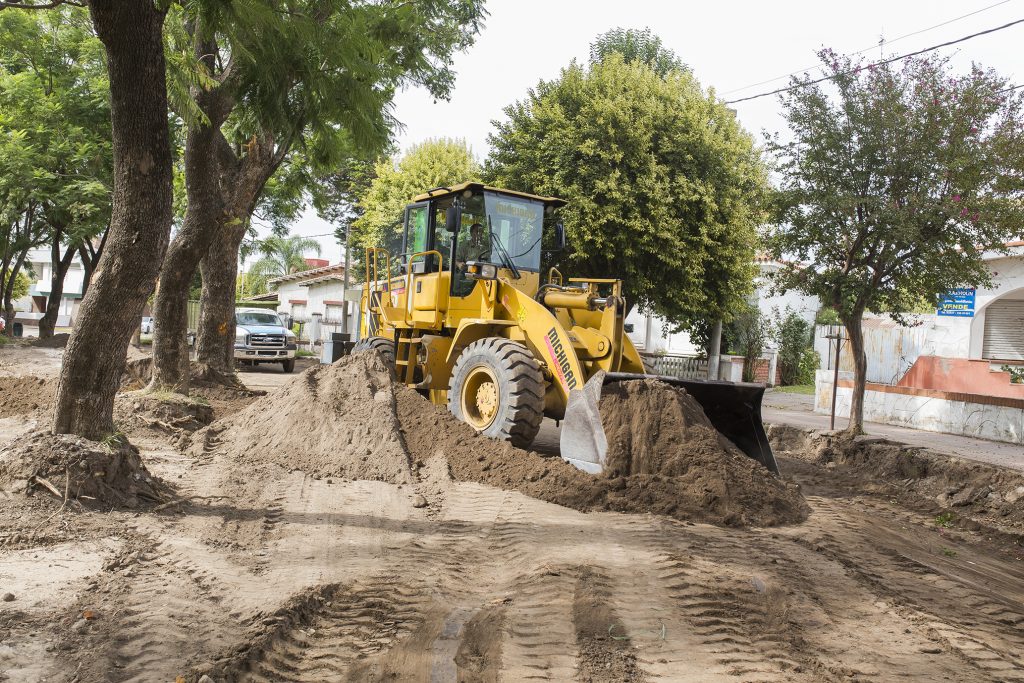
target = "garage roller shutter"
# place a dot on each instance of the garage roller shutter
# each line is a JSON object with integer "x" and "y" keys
{"x": 1004, "y": 330}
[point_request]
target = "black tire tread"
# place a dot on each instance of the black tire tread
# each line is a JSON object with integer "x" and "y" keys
{"x": 524, "y": 411}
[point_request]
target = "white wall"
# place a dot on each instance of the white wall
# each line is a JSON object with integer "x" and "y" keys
{"x": 929, "y": 413}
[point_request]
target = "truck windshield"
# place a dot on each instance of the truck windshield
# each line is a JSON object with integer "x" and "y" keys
{"x": 257, "y": 318}
{"x": 518, "y": 223}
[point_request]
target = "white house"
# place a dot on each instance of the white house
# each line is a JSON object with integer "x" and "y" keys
{"x": 314, "y": 297}
{"x": 32, "y": 306}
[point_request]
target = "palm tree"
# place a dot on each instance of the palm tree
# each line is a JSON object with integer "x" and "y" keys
{"x": 283, "y": 256}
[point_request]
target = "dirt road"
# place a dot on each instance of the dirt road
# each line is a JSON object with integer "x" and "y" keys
{"x": 277, "y": 575}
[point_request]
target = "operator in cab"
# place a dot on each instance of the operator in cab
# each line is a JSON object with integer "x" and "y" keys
{"x": 476, "y": 248}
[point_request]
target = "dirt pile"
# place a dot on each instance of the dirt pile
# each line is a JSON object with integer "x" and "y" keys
{"x": 24, "y": 395}
{"x": 167, "y": 413}
{"x": 657, "y": 432}
{"x": 71, "y": 468}
{"x": 57, "y": 341}
{"x": 732, "y": 490}
{"x": 332, "y": 420}
{"x": 965, "y": 493}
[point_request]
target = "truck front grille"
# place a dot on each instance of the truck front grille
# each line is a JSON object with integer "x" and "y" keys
{"x": 267, "y": 341}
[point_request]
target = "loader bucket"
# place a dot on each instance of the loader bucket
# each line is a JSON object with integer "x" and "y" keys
{"x": 733, "y": 408}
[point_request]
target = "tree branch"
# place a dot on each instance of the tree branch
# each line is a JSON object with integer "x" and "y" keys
{"x": 8, "y": 4}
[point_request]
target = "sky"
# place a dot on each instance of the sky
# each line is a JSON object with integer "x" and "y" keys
{"x": 730, "y": 46}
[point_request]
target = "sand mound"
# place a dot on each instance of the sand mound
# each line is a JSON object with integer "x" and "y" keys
{"x": 332, "y": 420}
{"x": 23, "y": 395}
{"x": 57, "y": 341}
{"x": 167, "y": 413}
{"x": 656, "y": 431}
{"x": 96, "y": 475}
{"x": 707, "y": 481}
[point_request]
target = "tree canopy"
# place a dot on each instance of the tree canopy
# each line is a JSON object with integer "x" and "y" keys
{"x": 55, "y": 149}
{"x": 634, "y": 45}
{"x": 665, "y": 188}
{"x": 430, "y": 164}
{"x": 896, "y": 179}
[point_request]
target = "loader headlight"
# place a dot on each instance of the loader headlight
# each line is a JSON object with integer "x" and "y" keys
{"x": 478, "y": 270}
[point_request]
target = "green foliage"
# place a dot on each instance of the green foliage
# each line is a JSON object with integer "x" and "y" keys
{"x": 946, "y": 519}
{"x": 55, "y": 150}
{"x": 430, "y": 164}
{"x": 1016, "y": 373}
{"x": 250, "y": 284}
{"x": 826, "y": 316}
{"x": 810, "y": 361}
{"x": 636, "y": 46}
{"x": 665, "y": 189}
{"x": 746, "y": 335}
{"x": 22, "y": 283}
{"x": 895, "y": 187}
{"x": 283, "y": 256}
{"x": 794, "y": 337}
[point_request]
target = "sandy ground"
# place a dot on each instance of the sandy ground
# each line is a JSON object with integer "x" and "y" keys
{"x": 298, "y": 578}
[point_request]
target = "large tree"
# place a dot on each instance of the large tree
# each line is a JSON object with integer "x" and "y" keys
{"x": 664, "y": 186}
{"x": 396, "y": 180}
{"x": 896, "y": 177}
{"x": 131, "y": 33}
{"x": 324, "y": 92}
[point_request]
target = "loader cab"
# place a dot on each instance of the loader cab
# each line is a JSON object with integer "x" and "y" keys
{"x": 475, "y": 223}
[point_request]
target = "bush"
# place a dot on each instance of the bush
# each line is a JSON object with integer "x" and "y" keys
{"x": 746, "y": 335}
{"x": 810, "y": 361}
{"x": 796, "y": 355}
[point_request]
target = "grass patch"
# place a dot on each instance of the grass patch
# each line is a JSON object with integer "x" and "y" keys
{"x": 946, "y": 519}
{"x": 303, "y": 353}
{"x": 807, "y": 389}
{"x": 948, "y": 552}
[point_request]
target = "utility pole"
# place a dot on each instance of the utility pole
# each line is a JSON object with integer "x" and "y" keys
{"x": 344, "y": 284}
{"x": 835, "y": 333}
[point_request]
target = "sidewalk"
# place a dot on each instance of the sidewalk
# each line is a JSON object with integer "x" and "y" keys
{"x": 798, "y": 410}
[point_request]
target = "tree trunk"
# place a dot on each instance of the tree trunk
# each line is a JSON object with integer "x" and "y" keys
{"x": 243, "y": 181}
{"x": 59, "y": 266}
{"x": 219, "y": 267}
{"x": 855, "y": 331}
{"x": 132, "y": 35}
{"x": 7, "y": 292}
{"x": 200, "y": 227}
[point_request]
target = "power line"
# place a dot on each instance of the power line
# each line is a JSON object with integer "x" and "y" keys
{"x": 872, "y": 47}
{"x": 880, "y": 63}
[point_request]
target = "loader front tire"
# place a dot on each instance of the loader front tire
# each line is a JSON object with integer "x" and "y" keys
{"x": 383, "y": 345}
{"x": 498, "y": 389}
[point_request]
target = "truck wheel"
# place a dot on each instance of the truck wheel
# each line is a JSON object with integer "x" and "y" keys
{"x": 288, "y": 365}
{"x": 498, "y": 389}
{"x": 383, "y": 345}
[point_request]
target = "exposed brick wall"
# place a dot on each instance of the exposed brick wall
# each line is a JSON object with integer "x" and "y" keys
{"x": 761, "y": 367}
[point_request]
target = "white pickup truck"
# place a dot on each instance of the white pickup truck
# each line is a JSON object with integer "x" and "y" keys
{"x": 261, "y": 337}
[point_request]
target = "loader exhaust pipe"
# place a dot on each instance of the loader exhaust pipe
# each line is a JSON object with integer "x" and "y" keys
{"x": 734, "y": 409}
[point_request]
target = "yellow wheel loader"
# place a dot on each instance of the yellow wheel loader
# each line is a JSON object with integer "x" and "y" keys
{"x": 460, "y": 310}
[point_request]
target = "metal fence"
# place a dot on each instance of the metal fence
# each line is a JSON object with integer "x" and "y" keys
{"x": 683, "y": 367}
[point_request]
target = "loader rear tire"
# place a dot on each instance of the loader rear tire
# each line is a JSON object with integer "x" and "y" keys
{"x": 498, "y": 389}
{"x": 383, "y": 345}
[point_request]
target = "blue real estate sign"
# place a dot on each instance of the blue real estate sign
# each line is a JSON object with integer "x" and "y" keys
{"x": 958, "y": 303}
